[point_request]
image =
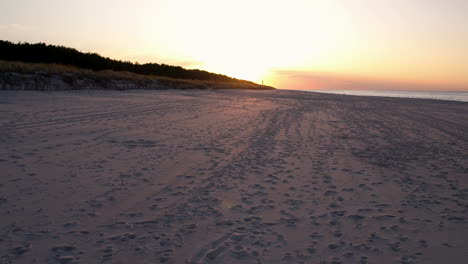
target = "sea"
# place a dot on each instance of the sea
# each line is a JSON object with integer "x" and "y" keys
{"x": 451, "y": 96}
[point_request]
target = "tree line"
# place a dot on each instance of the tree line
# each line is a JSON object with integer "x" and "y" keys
{"x": 43, "y": 53}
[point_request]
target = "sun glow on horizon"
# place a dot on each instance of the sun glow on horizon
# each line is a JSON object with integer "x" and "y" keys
{"x": 247, "y": 39}
{"x": 251, "y": 39}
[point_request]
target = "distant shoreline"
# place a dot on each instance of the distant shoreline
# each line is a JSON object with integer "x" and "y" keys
{"x": 459, "y": 96}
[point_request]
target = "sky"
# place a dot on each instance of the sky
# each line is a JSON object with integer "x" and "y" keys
{"x": 289, "y": 44}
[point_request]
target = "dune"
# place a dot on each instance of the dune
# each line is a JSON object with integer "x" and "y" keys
{"x": 231, "y": 176}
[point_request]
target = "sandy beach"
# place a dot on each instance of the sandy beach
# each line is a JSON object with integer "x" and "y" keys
{"x": 231, "y": 176}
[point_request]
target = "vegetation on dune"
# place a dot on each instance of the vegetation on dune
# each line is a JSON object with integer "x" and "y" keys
{"x": 50, "y": 77}
{"x": 32, "y": 66}
{"x": 43, "y": 53}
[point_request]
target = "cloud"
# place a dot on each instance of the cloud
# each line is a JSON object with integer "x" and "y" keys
{"x": 13, "y": 28}
{"x": 302, "y": 80}
{"x": 151, "y": 58}
{"x": 188, "y": 63}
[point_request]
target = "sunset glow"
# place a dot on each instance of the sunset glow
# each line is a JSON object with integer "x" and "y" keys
{"x": 412, "y": 42}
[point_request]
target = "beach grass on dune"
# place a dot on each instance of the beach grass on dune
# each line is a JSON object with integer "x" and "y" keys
{"x": 16, "y": 75}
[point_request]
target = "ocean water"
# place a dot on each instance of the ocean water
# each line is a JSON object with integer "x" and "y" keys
{"x": 451, "y": 96}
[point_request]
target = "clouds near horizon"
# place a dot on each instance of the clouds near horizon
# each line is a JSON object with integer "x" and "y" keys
{"x": 300, "y": 80}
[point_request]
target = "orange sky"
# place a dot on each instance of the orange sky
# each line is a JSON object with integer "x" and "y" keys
{"x": 295, "y": 44}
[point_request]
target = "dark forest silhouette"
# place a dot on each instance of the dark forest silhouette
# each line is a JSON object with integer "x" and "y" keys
{"x": 43, "y": 53}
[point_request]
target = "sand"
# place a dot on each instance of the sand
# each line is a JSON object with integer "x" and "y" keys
{"x": 231, "y": 177}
